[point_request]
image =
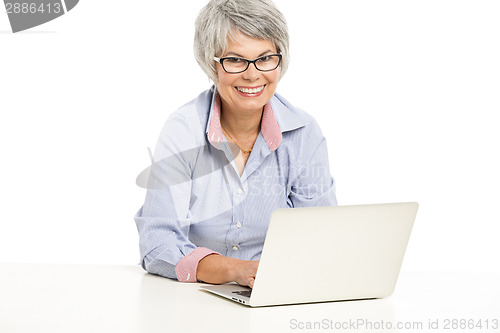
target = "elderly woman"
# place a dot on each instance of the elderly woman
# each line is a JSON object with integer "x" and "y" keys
{"x": 226, "y": 160}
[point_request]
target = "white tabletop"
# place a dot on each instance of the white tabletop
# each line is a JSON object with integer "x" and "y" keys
{"x": 92, "y": 299}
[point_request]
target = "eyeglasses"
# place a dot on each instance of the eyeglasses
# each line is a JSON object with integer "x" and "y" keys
{"x": 235, "y": 65}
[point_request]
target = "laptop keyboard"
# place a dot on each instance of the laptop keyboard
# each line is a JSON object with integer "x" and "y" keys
{"x": 244, "y": 293}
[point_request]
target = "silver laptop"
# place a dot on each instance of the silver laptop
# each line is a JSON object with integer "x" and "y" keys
{"x": 322, "y": 254}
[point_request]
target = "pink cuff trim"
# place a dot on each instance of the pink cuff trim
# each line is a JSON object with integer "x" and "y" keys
{"x": 187, "y": 266}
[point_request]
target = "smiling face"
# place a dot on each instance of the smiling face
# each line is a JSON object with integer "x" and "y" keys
{"x": 246, "y": 93}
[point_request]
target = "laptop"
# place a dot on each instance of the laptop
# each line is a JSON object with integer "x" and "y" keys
{"x": 322, "y": 254}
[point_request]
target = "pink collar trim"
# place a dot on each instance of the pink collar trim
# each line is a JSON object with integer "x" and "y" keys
{"x": 215, "y": 129}
{"x": 269, "y": 126}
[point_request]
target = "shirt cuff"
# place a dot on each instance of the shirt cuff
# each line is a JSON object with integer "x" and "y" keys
{"x": 187, "y": 266}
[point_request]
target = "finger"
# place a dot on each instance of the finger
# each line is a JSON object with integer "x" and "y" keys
{"x": 250, "y": 282}
{"x": 254, "y": 267}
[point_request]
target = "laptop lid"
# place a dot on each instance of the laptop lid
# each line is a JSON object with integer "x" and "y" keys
{"x": 332, "y": 253}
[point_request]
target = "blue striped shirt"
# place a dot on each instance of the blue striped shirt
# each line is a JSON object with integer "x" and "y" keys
{"x": 196, "y": 197}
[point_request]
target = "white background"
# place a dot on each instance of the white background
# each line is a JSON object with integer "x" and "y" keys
{"x": 405, "y": 91}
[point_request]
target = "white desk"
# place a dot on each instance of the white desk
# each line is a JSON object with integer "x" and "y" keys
{"x": 94, "y": 299}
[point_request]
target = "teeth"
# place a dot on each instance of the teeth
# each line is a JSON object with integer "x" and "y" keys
{"x": 250, "y": 91}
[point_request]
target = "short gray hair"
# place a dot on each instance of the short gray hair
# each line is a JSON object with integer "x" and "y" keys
{"x": 219, "y": 19}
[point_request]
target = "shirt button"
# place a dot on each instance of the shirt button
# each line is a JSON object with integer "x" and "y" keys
{"x": 238, "y": 225}
{"x": 235, "y": 248}
{"x": 239, "y": 191}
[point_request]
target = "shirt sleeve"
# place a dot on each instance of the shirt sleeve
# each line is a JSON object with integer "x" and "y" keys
{"x": 163, "y": 221}
{"x": 312, "y": 184}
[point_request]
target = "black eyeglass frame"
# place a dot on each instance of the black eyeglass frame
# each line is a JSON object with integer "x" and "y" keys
{"x": 254, "y": 62}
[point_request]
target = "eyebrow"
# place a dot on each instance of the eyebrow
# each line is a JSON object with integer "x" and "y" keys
{"x": 239, "y": 55}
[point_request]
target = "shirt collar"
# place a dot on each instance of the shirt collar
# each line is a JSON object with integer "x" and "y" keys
{"x": 276, "y": 119}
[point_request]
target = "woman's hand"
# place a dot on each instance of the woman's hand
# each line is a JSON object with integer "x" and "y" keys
{"x": 218, "y": 269}
{"x": 244, "y": 272}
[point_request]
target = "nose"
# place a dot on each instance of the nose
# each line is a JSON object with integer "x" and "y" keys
{"x": 252, "y": 73}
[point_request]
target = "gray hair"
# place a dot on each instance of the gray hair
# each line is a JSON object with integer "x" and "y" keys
{"x": 219, "y": 19}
